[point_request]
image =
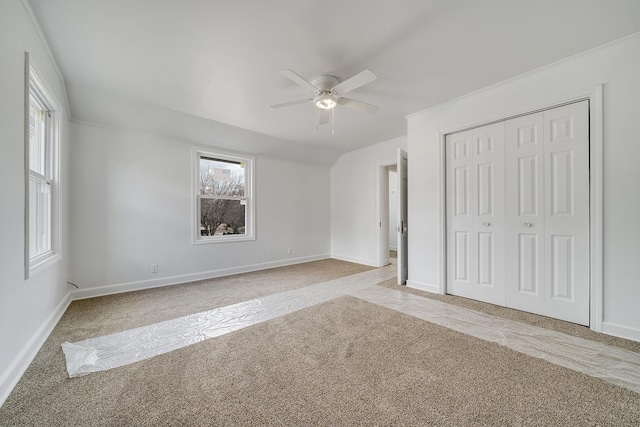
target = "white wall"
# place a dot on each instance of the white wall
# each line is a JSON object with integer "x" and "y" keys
{"x": 92, "y": 105}
{"x": 354, "y": 214}
{"x": 131, "y": 207}
{"x": 28, "y": 308}
{"x": 617, "y": 66}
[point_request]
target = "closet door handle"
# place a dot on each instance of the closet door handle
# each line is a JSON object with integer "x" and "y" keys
{"x": 528, "y": 224}
{"x": 486, "y": 224}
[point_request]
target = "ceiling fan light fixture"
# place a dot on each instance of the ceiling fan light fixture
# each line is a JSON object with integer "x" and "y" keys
{"x": 329, "y": 91}
{"x": 325, "y": 101}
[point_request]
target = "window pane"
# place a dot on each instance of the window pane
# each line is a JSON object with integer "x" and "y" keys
{"x": 39, "y": 216}
{"x": 220, "y": 217}
{"x": 221, "y": 178}
{"x": 37, "y": 154}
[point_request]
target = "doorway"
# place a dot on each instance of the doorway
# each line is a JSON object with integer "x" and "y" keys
{"x": 392, "y": 214}
{"x": 387, "y": 214}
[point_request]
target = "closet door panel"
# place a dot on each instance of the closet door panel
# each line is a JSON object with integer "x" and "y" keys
{"x": 488, "y": 146}
{"x": 566, "y": 146}
{"x": 524, "y": 262}
{"x": 475, "y": 213}
{"x": 460, "y": 198}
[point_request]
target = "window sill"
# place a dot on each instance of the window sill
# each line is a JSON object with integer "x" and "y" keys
{"x": 222, "y": 239}
{"x": 42, "y": 263}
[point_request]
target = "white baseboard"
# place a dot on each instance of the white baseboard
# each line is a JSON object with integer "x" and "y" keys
{"x": 434, "y": 289}
{"x": 184, "y": 278}
{"x": 621, "y": 331}
{"x": 355, "y": 260}
{"x": 14, "y": 372}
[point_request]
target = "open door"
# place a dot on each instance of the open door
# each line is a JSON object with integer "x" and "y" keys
{"x": 403, "y": 263}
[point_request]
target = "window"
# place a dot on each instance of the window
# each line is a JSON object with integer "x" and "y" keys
{"x": 224, "y": 198}
{"x": 41, "y": 164}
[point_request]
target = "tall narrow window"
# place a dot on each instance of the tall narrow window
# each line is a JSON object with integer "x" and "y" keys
{"x": 40, "y": 162}
{"x": 224, "y": 198}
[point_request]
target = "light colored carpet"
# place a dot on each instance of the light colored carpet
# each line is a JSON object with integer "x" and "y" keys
{"x": 344, "y": 362}
{"x": 100, "y": 316}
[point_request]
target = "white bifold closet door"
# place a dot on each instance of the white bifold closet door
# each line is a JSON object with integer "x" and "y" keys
{"x": 547, "y": 201}
{"x": 475, "y": 213}
{"x": 543, "y": 257}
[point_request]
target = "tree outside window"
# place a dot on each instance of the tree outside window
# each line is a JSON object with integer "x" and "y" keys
{"x": 224, "y": 198}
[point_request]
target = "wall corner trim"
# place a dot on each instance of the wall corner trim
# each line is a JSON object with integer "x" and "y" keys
{"x": 621, "y": 331}
{"x": 434, "y": 289}
{"x": 356, "y": 260}
{"x": 14, "y": 372}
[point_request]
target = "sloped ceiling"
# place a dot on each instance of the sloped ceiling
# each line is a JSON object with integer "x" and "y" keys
{"x": 207, "y": 70}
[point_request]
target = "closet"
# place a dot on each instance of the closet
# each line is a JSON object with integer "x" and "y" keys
{"x": 517, "y": 211}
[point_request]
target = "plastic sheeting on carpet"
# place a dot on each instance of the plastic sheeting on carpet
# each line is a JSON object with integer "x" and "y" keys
{"x": 130, "y": 346}
{"x": 612, "y": 364}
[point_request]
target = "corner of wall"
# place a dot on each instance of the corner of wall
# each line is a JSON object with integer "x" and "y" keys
{"x": 23, "y": 359}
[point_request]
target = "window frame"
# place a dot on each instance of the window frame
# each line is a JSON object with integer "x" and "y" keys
{"x": 250, "y": 220}
{"x": 36, "y": 89}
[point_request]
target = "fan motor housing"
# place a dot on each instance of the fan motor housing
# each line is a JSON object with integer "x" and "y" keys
{"x": 325, "y": 83}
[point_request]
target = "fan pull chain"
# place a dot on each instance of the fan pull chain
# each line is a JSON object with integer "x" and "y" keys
{"x": 333, "y": 122}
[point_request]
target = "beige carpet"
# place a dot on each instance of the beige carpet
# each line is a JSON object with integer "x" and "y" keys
{"x": 114, "y": 313}
{"x": 346, "y": 362}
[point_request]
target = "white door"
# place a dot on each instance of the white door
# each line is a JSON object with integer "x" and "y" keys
{"x": 548, "y": 213}
{"x": 475, "y": 213}
{"x": 525, "y": 261}
{"x": 519, "y": 236}
{"x": 566, "y": 182}
{"x": 402, "y": 230}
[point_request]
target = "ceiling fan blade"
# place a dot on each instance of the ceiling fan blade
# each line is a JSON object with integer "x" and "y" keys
{"x": 324, "y": 116}
{"x": 299, "y": 80}
{"x": 358, "y": 105}
{"x": 354, "y": 82}
{"x": 288, "y": 104}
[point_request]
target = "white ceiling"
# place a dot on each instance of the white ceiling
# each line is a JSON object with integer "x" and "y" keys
{"x": 208, "y": 64}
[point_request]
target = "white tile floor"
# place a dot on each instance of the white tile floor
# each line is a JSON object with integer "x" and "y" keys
{"x": 612, "y": 364}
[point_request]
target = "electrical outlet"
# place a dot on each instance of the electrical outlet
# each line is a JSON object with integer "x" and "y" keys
{"x": 154, "y": 268}
{"x": 289, "y": 251}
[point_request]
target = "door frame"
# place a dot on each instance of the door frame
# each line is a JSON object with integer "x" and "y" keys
{"x": 403, "y": 216}
{"x": 382, "y": 220}
{"x": 594, "y": 95}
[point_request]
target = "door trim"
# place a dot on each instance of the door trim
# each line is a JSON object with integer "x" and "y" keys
{"x": 594, "y": 95}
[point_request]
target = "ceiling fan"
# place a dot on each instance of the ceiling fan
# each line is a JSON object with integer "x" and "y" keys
{"x": 328, "y": 93}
